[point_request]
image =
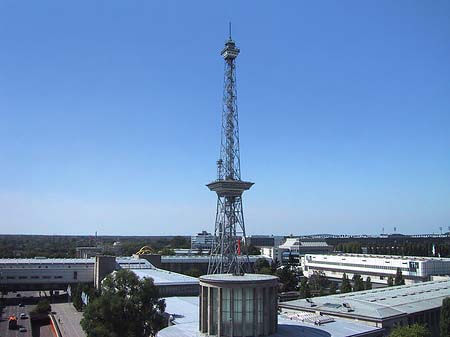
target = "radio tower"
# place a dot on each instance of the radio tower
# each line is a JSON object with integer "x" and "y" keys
{"x": 229, "y": 227}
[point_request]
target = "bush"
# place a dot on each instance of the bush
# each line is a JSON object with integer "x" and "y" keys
{"x": 43, "y": 307}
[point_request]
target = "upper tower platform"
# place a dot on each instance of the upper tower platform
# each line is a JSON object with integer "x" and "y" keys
{"x": 230, "y": 51}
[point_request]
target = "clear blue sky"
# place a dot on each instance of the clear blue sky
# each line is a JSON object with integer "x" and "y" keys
{"x": 110, "y": 115}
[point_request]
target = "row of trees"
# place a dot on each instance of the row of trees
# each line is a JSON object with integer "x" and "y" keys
{"x": 289, "y": 275}
{"x": 358, "y": 283}
{"x": 398, "y": 280}
{"x": 318, "y": 285}
{"x": 398, "y": 246}
{"x": 54, "y": 246}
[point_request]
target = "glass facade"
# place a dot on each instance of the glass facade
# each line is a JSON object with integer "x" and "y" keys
{"x": 238, "y": 311}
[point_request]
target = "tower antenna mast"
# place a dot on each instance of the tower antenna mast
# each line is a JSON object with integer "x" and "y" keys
{"x": 229, "y": 230}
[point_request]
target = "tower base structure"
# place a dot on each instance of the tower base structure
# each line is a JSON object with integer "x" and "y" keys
{"x": 238, "y": 305}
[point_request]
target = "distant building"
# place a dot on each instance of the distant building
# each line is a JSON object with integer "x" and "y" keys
{"x": 377, "y": 267}
{"x": 382, "y": 308}
{"x": 264, "y": 240}
{"x": 188, "y": 252}
{"x": 182, "y": 264}
{"x": 295, "y": 248}
{"x": 274, "y": 253}
{"x": 88, "y": 252}
{"x": 203, "y": 240}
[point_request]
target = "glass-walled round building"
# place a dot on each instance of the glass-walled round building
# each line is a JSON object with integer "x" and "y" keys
{"x": 238, "y": 305}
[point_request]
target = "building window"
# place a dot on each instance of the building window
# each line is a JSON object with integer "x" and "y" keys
{"x": 248, "y": 324}
{"x": 226, "y": 311}
{"x": 75, "y": 275}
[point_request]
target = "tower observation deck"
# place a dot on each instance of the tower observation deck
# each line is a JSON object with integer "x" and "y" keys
{"x": 229, "y": 224}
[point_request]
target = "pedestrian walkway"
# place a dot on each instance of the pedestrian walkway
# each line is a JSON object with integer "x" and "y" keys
{"x": 68, "y": 320}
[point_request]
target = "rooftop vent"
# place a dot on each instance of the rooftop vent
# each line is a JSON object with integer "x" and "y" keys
{"x": 348, "y": 306}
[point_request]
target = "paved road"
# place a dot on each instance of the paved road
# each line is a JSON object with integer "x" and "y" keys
{"x": 11, "y": 308}
{"x": 68, "y": 320}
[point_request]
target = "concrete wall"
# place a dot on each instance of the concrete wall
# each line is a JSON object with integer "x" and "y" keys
{"x": 104, "y": 265}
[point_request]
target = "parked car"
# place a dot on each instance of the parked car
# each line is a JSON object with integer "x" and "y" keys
{"x": 22, "y": 329}
{"x": 23, "y": 315}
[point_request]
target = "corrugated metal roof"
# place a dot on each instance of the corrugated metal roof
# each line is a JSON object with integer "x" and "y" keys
{"x": 45, "y": 261}
{"x": 378, "y": 304}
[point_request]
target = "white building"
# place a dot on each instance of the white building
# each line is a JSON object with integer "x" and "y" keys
{"x": 275, "y": 253}
{"x": 203, "y": 240}
{"x": 42, "y": 271}
{"x": 297, "y": 247}
{"x": 377, "y": 267}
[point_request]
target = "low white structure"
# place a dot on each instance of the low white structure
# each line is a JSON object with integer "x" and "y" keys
{"x": 377, "y": 267}
{"x": 45, "y": 272}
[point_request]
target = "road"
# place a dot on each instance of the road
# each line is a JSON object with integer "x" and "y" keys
{"x": 68, "y": 320}
{"x": 11, "y": 307}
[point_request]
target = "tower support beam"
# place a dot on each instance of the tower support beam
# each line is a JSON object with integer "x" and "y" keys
{"x": 229, "y": 231}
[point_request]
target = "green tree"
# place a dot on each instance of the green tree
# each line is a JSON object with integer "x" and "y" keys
{"x": 346, "y": 286}
{"x": 358, "y": 283}
{"x": 274, "y": 265}
{"x": 167, "y": 251}
{"x": 390, "y": 281}
{"x": 194, "y": 272}
{"x": 288, "y": 278}
{"x": 399, "y": 280}
{"x": 42, "y": 307}
{"x": 368, "y": 283}
{"x": 318, "y": 282}
{"x": 260, "y": 264}
{"x": 180, "y": 242}
{"x": 333, "y": 288}
{"x": 445, "y": 317}
{"x": 250, "y": 250}
{"x": 127, "y": 307}
{"x": 266, "y": 271}
{"x": 415, "y": 330}
{"x": 305, "y": 292}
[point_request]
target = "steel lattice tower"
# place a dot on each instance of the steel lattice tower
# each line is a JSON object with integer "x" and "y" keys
{"x": 229, "y": 225}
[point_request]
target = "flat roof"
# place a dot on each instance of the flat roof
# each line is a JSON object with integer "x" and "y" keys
{"x": 237, "y": 278}
{"x": 185, "y": 314}
{"x": 164, "y": 277}
{"x": 394, "y": 257}
{"x": 203, "y": 258}
{"x": 46, "y": 261}
{"x": 183, "y": 309}
{"x": 377, "y": 304}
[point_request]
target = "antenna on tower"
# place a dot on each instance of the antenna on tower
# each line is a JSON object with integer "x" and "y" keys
{"x": 229, "y": 30}
{"x": 229, "y": 233}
